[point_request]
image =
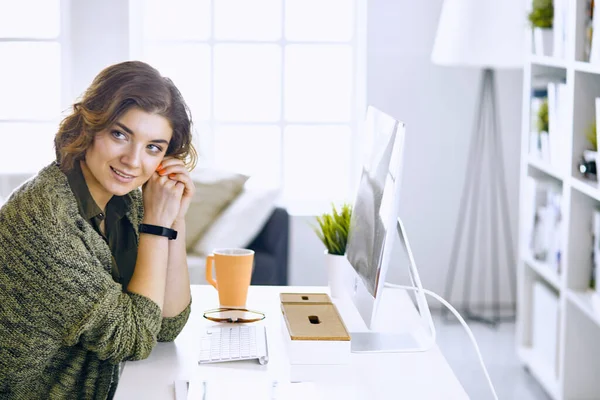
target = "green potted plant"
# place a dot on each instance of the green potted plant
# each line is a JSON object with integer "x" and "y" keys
{"x": 540, "y": 145}
{"x": 333, "y": 229}
{"x": 541, "y": 18}
{"x": 590, "y": 155}
{"x": 542, "y": 117}
{"x": 590, "y": 134}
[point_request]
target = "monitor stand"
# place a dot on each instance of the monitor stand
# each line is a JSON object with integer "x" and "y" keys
{"x": 395, "y": 342}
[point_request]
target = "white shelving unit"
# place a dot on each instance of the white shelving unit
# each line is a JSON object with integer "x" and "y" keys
{"x": 576, "y": 374}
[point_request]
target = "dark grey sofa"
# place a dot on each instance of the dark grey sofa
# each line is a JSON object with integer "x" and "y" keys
{"x": 271, "y": 248}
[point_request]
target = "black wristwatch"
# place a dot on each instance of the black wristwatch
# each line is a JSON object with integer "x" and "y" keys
{"x": 159, "y": 231}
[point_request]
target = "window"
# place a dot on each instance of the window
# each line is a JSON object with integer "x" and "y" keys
{"x": 30, "y": 83}
{"x": 274, "y": 86}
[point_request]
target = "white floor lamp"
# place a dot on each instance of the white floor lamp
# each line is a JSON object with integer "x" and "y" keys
{"x": 487, "y": 35}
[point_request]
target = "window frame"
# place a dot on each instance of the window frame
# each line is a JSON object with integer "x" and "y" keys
{"x": 206, "y": 142}
{"x": 63, "y": 41}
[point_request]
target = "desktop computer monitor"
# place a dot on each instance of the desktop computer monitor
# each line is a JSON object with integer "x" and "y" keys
{"x": 375, "y": 224}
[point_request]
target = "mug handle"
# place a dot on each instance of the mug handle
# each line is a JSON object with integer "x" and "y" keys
{"x": 209, "y": 270}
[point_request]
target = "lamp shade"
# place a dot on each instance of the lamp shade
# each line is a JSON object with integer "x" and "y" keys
{"x": 481, "y": 33}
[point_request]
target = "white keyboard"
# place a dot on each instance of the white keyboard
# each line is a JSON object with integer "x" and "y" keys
{"x": 233, "y": 343}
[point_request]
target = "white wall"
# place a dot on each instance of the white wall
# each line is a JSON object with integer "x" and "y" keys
{"x": 99, "y": 37}
{"x": 438, "y": 105}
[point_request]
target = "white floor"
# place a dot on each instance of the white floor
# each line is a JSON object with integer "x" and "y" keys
{"x": 497, "y": 347}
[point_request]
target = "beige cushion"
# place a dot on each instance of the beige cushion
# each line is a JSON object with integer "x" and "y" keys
{"x": 242, "y": 220}
{"x": 215, "y": 190}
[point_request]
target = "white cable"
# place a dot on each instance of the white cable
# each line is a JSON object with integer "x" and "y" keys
{"x": 462, "y": 321}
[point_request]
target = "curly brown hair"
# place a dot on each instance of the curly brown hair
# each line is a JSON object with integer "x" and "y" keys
{"x": 115, "y": 90}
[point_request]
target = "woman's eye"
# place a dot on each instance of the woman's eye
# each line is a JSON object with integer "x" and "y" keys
{"x": 118, "y": 135}
{"x": 154, "y": 148}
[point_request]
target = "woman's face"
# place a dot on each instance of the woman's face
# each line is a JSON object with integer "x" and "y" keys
{"x": 124, "y": 156}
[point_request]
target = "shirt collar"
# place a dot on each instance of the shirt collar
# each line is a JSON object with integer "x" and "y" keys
{"x": 86, "y": 203}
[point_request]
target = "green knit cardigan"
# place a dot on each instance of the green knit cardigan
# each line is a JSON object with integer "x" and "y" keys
{"x": 65, "y": 325}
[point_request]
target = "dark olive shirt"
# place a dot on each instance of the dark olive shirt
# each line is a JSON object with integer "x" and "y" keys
{"x": 119, "y": 234}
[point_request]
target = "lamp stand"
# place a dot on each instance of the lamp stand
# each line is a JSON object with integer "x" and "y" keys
{"x": 485, "y": 146}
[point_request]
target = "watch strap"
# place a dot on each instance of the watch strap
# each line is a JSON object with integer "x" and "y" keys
{"x": 158, "y": 231}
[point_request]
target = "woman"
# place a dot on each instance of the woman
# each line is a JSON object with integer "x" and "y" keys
{"x": 91, "y": 273}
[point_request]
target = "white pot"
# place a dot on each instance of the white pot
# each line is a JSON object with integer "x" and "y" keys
{"x": 543, "y": 41}
{"x": 338, "y": 273}
{"x": 597, "y": 159}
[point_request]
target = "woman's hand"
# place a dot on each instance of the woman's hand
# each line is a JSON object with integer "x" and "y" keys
{"x": 162, "y": 200}
{"x": 175, "y": 170}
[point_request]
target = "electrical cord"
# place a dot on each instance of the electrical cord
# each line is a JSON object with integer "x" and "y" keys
{"x": 462, "y": 321}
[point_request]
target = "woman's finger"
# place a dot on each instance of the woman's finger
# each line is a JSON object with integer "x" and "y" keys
{"x": 163, "y": 180}
{"x": 169, "y": 184}
{"x": 186, "y": 180}
{"x": 178, "y": 172}
{"x": 172, "y": 168}
{"x": 169, "y": 162}
{"x": 183, "y": 178}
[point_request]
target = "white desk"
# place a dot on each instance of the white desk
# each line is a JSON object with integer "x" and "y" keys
{"x": 396, "y": 375}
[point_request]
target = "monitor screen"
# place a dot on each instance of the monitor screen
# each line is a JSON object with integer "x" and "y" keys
{"x": 374, "y": 211}
{"x": 374, "y": 226}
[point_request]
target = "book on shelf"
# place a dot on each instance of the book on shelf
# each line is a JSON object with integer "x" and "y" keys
{"x": 545, "y": 147}
{"x": 588, "y": 24}
{"x": 597, "y": 122}
{"x": 595, "y": 46}
{"x": 595, "y": 267}
{"x": 544, "y": 222}
{"x": 545, "y": 325}
{"x": 538, "y": 141}
{"x": 557, "y": 122}
{"x": 549, "y": 145}
{"x": 559, "y": 27}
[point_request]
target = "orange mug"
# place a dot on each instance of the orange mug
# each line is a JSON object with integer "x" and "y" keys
{"x": 233, "y": 270}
